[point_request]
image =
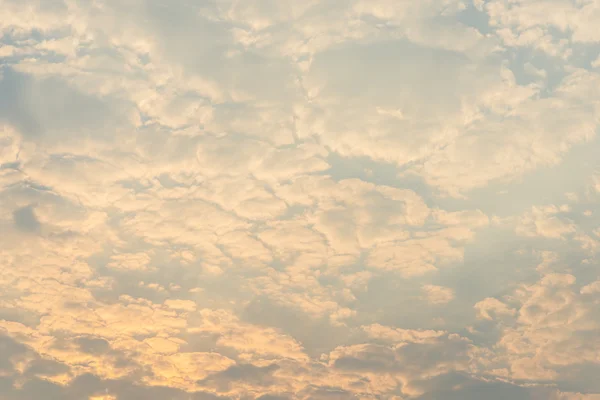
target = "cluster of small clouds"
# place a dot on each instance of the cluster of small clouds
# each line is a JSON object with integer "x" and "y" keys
{"x": 280, "y": 199}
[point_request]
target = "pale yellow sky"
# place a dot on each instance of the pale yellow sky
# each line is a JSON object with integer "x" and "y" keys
{"x": 279, "y": 199}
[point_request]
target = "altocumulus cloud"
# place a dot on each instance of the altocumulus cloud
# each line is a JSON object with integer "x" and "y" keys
{"x": 299, "y": 200}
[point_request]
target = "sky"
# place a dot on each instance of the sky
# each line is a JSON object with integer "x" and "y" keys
{"x": 282, "y": 199}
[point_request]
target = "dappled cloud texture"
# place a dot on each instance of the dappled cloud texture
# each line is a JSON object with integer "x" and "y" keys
{"x": 317, "y": 199}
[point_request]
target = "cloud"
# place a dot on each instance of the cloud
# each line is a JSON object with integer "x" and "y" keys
{"x": 137, "y": 261}
{"x": 574, "y": 19}
{"x": 544, "y": 222}
{"x": 550, "y": 328}
{"x": 282, "y": 199}
{"x": 490, "y": 305}
{"x": 410, "y": 359}
{"x": 401, "y": 335}
{"x": 252, "y": 342}
{"x": 438, "y": 294}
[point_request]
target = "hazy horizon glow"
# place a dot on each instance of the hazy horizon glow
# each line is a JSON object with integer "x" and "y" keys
{"x": 281, "y": 199}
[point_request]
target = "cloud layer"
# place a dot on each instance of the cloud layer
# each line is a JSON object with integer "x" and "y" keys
{"x": 299, "y": 200}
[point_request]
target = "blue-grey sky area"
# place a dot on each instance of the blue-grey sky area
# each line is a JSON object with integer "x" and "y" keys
{"x": 317, "y": 199}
